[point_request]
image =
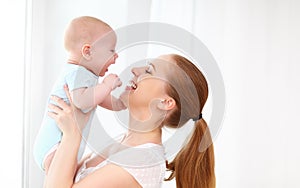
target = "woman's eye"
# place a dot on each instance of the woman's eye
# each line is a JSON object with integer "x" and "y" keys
{"x": 148, "y": 71}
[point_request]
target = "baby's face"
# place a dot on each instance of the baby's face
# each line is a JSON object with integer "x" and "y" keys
{"x": 103, "y": 53}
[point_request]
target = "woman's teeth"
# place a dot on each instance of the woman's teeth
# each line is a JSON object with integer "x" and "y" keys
{"x": 132, "y": 85}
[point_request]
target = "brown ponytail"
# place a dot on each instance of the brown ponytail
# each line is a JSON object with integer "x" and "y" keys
{"x": 193, "y": 167}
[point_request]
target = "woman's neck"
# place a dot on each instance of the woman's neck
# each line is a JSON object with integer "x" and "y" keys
{"x": 136, "y": 137}
{"x": 141, "y": 131}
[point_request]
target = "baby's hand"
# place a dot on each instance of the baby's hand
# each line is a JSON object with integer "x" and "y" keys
{"x": 112, "y": 81}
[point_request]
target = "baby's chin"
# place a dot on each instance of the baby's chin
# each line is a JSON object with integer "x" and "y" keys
{"x": 102, "y": 73}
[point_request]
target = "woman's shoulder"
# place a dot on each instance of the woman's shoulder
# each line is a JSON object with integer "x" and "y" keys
{"x": 140, "y": 156}
{"x": 145, "y": 163}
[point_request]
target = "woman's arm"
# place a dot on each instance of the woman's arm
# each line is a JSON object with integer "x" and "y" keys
{"x": 64, "y": 164}
{"x": 109, "y": 176}
{"x": 70, "y": 120}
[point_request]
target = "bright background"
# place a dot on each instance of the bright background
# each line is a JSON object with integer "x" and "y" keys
{"x": 256, "y": 44}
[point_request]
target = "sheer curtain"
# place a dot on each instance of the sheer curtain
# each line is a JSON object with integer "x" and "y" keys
{"x": 255, "y": 43}
{"x": 12, "y": 35}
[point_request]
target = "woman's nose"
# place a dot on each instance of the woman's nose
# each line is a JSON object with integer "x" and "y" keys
{"x": 135, "y": 71}
{"x": 138, "y": 71}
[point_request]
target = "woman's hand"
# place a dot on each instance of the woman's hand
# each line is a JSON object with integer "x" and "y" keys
{"x": 69, "y": 118}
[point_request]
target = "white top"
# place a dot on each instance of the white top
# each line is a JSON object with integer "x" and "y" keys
{"x": 146, "y": 163}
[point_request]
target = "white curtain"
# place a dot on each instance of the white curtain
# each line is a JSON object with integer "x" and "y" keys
{"x": 12, "y": 35}
{"x": 256, "y": 44}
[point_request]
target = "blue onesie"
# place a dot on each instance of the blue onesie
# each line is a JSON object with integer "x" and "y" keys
{"x": 49, "y": 135}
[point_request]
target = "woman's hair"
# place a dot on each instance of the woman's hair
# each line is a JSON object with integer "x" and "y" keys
{"x": 193, "y": 166}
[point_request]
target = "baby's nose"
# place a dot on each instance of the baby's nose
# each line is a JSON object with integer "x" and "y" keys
{"x": 116, "y": 56}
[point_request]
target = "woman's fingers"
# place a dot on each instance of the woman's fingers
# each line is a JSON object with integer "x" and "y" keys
{"x": 52, "y": 115}
{"x": 55, "y": 109}
{"x": 66, "y": 88}
{"x": 59, "y": 103}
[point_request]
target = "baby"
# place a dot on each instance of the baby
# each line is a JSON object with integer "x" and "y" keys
{"x": 90, "y": 44}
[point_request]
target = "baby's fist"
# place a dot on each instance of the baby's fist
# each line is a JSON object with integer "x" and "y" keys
{"x": 113, "y": 81}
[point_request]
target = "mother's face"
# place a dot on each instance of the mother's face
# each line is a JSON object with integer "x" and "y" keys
{"x": 147, "y": 89}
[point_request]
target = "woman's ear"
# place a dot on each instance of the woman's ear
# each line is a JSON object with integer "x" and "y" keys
{"x": 86, "y": 51}
{"x": 167, "y": 104}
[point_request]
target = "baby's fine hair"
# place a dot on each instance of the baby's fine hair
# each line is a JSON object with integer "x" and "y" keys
{"x": 84, "y": 30}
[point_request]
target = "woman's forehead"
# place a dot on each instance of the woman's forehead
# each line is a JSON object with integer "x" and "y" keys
{"x": 165, "y": 58}
{"x": 162, "y": 63}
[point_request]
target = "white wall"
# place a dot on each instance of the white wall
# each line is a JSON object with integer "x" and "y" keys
{"x": 256, "y": 45}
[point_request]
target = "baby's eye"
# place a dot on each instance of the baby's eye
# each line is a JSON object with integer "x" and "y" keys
{"x": 113, "y": 51}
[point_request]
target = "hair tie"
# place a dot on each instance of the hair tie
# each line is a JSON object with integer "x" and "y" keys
{"x": 197, "y": 118}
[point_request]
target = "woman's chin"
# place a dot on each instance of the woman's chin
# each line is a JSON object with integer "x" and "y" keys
{"x": 124, "y": 97}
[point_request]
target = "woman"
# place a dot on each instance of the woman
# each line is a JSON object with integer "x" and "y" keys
{"x": 168, "y": 92}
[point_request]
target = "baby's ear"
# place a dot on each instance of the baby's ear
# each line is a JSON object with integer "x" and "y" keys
{"x": 86, "y": 51}
{"x": 167, "y": 104}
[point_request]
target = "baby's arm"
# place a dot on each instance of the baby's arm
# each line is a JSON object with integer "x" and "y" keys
{"x": 87, "y": 98}
{"x": 112, "y": 103}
